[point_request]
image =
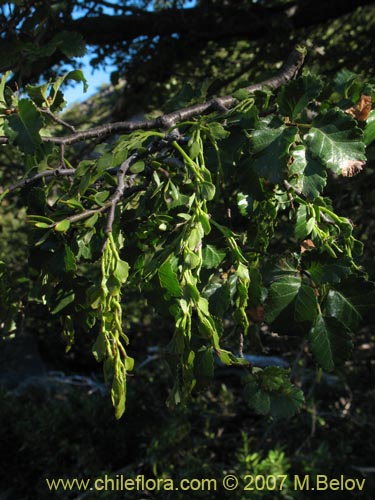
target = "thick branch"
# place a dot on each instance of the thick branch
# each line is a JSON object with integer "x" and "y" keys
{"x": 211, "y": 24}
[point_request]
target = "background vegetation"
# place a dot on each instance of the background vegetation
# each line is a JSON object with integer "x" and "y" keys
{"x": 56, "y": 420}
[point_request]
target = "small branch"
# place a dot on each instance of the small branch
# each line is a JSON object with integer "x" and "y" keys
{"x": 115, "y": 198}
{"x": 56, "y": 119}
{"x": 92, "y": 211}
{"x": 57, "y": 172}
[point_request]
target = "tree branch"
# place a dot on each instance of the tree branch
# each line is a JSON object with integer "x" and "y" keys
{"x": 204, "y": 23}
{"x": 117, "y": 195}
{"x": 287, "y": 72}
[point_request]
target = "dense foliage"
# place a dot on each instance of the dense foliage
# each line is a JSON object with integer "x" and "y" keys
{"x": 215, "y": 213}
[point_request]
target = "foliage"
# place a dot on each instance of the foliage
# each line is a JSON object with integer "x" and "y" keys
{"x": 212, "y": 217}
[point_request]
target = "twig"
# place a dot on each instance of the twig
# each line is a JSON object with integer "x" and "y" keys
{"x": 119, "y": 190}
{"x": 56, "y": 119}
{"x": 57, "y": 172}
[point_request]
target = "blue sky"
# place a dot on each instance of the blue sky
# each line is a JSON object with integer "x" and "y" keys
{"x": 95, "y": 78}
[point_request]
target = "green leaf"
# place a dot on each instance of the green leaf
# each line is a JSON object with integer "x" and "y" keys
{"x": 69, "y": 259}
{"x": 212, "y": 256}
{"x": 129, "y": 363}
{"x": 338, "y": 306}
{"x": 204, "y": 367}
{"x": 370, "y": 129}
{"x": 137, "y": 167}
{"x": 118, "y": 392}
{"x": 270, "y": 391}
{"x": 241, "y": 94}
{"x": 287, "y": 404}
{"x": 113, "y": 284}
{"x": 282, "y": 292}
{"x": 321, "y": 272}
{"x": 66, "y": 299}
{"x": 62, "y": 226}
{"x": 271, "y": 147}
{"x": 26, "y": 124}
{"x": 306, "y": 305}
{"x": 306, "y": 174}
{"x": 228, "y": 358}
{"x": 207, "y": 328}
{"x": 168, "y": 279}
{"x": 330, "y": 342}
{"x": 122, "y": 271}
{"x": 71, "y": 44}
{"x": 3, "y": 82}
{"x": 99, "y": 349}
{"x": 334, "y": 139}
{"x": 300, "y": 229}
{"x": 294, "y": 97}
{"x": 261, "y": 402}
{"x": 219, "y": 298}
{"x": 217, "y": 131}
{"x": 343, "y": 80}
{"x": 42, "y": 225}
{"x": 207, "y": 190}
{"x": 100, "y": 197}
{"x": 361, "y": 294}
{"x": 38, "y": 93}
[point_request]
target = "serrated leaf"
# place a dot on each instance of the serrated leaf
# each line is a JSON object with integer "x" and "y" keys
{"x": 71, "y": 44}
{"x": 261, "y": 402}
{"x": 38, "y": 93}
{"x": 321, "y": 272}
{"x": 56, "y": 98}
{"x": 281, "y": 293}
{"x": 271, "y": 147}
{"x": 26, "y": 125}
{"x": 361, "y": 294}
{"x": 334, "y": 139}
{"x": 212, "y": 256}
{"x": 343, "y": 80}
{"x": 340, "y": 307}
{"x": 307, "y": 174}
{"x": 217, "y": 131}
{"x": 287, "y": 404}
{"x": 294, "y": 97}
{"x": 330, "y": 342}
